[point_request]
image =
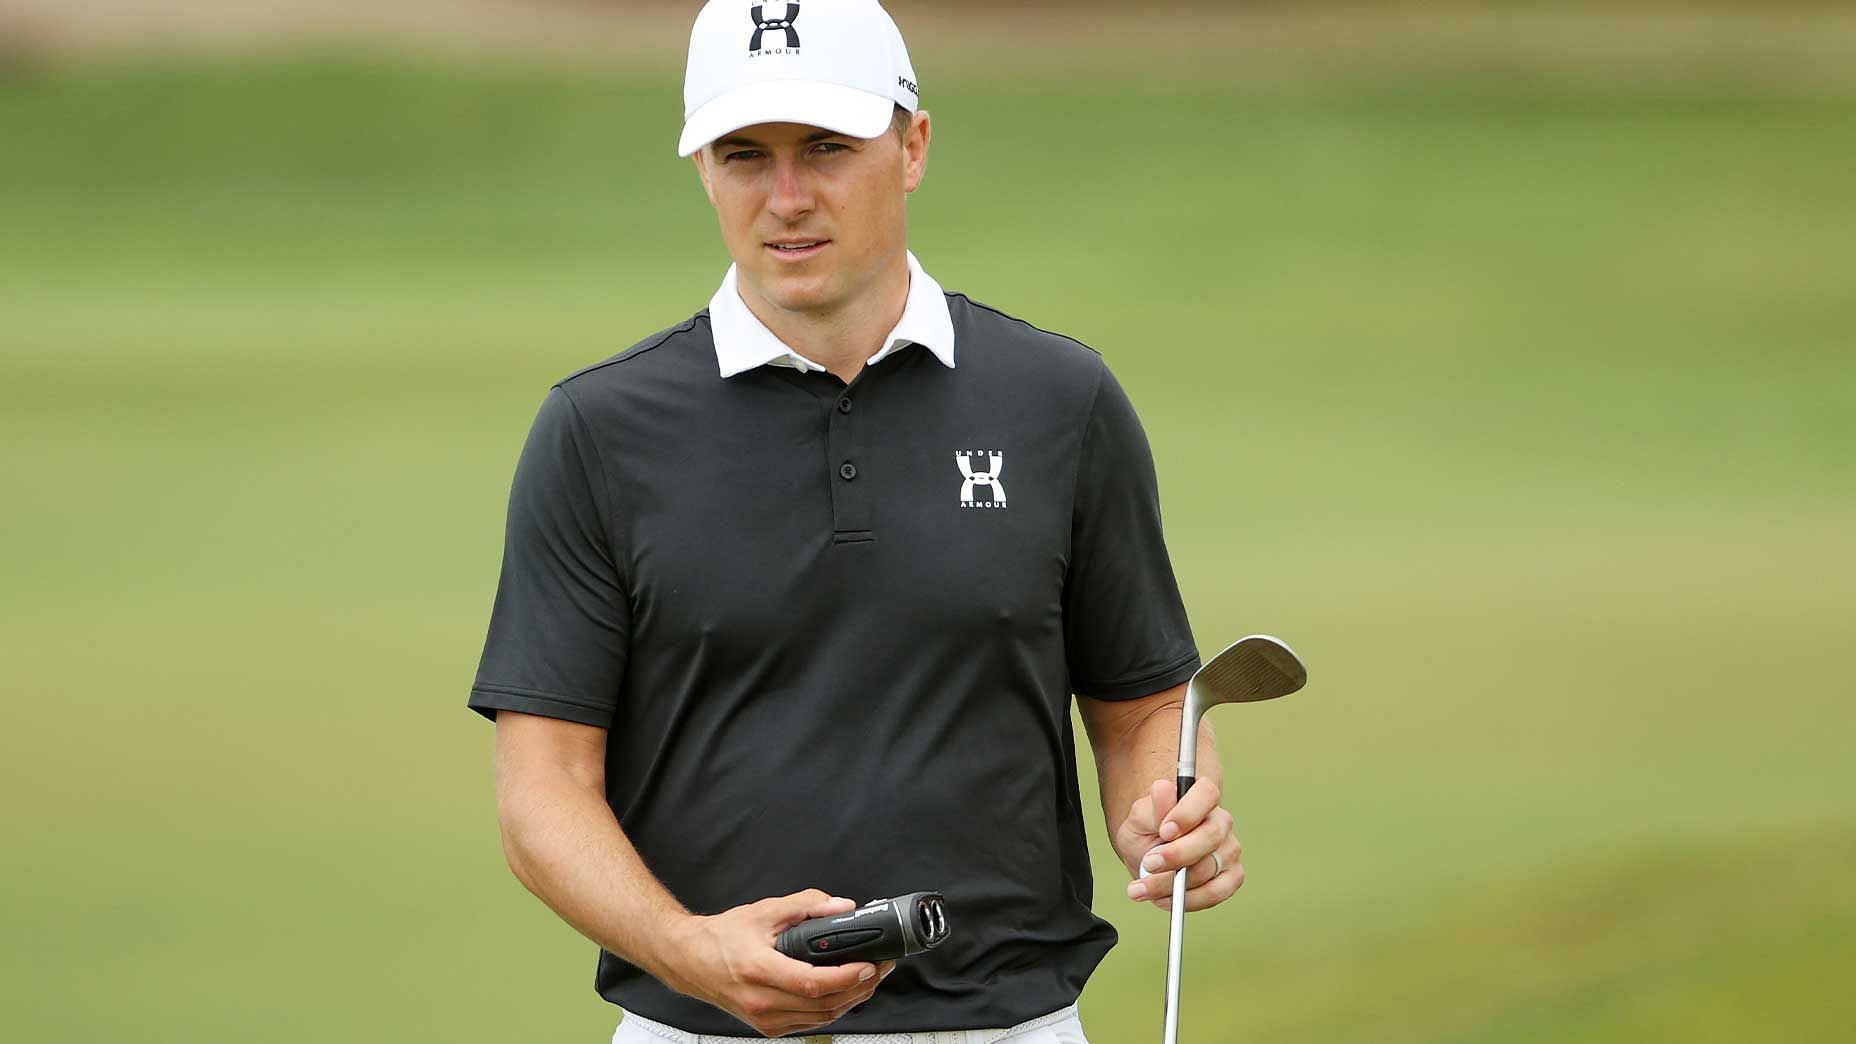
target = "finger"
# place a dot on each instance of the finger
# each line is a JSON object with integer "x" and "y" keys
{"x": 1212, "y": 892}
{"x": 776, "y": 1013}
{"x": 1163, "y": 795}
{"x": 1200, "y": 841}
{"x": 842, "y": 1004}
{"x": 1160, "y": 885}
{"x": 808, "y": 982}
{"x": 1201, "y": 873}
{"x": 781, "y": 1006}
{"x": 801, "y": 1022}
{"x": 808, "y": 1011}
{"x": 781, "y": 912}
{"x": 1191, "y": 811}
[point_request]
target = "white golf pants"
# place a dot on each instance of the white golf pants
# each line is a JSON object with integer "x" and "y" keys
{"x": 1062, "y": 1026}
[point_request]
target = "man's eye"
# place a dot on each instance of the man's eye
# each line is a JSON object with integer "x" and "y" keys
{"x": 832, "y": 146}
{"x": 745, "y": 154}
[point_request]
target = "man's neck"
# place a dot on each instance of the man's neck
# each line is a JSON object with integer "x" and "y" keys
{"x": 841, "y": 339}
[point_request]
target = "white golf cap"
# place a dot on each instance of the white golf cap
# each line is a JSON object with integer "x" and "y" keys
{"x": 836, "y": 64}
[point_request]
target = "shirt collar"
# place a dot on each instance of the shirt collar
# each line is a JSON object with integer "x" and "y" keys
{"x": 743, "y": 342}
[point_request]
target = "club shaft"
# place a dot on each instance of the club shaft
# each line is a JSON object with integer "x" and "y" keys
{"x": 1189, "y": 716}
{"x": 1173, "y": 957}
{"x": 1176, "y": 938}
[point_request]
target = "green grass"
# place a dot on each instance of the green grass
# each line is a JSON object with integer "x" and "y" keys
{"x": 1526, "y": 411}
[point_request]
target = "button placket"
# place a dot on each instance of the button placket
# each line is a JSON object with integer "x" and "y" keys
{"x": 850, "y": 505}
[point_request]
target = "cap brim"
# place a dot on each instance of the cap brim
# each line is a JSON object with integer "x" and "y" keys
{"x": 831, "y": 106}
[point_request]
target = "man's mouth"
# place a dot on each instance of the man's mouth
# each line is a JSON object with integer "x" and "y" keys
{"x": 797, "y": 249}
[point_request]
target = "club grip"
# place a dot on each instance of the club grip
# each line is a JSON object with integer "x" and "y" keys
{"x": 879, "y": 930}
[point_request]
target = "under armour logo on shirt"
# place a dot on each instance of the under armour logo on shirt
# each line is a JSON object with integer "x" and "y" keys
{"x": 977, "y": 480}
{"x": 782, "y": 23}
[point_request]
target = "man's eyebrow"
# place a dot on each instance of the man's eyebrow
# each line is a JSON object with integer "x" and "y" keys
{"x": 737, "y": 141}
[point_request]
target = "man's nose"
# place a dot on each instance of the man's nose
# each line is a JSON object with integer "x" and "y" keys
{"x": 791, "y": 195}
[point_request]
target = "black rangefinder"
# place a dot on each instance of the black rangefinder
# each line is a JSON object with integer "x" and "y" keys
{"x": 879, "y": 930}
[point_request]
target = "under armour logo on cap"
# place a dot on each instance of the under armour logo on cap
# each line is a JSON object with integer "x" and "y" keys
{"x": 782, "y": 22}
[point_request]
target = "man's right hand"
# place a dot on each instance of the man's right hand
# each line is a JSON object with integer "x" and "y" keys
{"x": 729, "y": 960}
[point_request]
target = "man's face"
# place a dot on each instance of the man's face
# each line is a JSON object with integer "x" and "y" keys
{"x": 812, "y": 217}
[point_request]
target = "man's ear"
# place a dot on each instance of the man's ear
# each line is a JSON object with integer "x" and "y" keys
{"x": 701, "y": 159}
{"x": 915, "y": 151}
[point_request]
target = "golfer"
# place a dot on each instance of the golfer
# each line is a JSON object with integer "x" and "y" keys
{"x": 795, "y": 595}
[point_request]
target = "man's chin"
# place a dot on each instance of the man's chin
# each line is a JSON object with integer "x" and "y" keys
{"x": 798, "y": 294}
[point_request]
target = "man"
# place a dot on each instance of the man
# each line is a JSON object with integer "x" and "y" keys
{"x": 795, "y": 595}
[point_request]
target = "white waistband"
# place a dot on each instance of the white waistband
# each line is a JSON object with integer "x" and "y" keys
{"x": 979, "y": 1036}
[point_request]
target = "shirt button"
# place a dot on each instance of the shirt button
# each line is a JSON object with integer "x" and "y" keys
{"x": 844, "y": 405}
{"x": 848, "y": 470}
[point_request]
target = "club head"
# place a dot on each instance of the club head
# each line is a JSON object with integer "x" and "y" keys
{"x": 1250, "y": 669}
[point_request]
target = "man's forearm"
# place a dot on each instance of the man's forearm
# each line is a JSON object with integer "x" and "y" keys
{"x": 564, "y": 844}
{"x": 1146, "y": 751}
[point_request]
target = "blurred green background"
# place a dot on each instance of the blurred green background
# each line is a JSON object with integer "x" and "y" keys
{"x": 1498, "y": 356}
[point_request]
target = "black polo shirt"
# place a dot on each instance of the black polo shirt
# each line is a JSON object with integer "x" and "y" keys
{"x": 833, "y": 631}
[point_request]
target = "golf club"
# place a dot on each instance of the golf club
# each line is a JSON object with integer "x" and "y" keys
{"x": 1250, "y": 669}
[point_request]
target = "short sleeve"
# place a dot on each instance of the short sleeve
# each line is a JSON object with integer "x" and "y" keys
{"x": 1125, "y": 628}
{"x": 560, "y": 624}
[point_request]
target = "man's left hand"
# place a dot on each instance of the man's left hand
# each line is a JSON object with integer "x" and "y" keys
{"x": 1163, "y": 836}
